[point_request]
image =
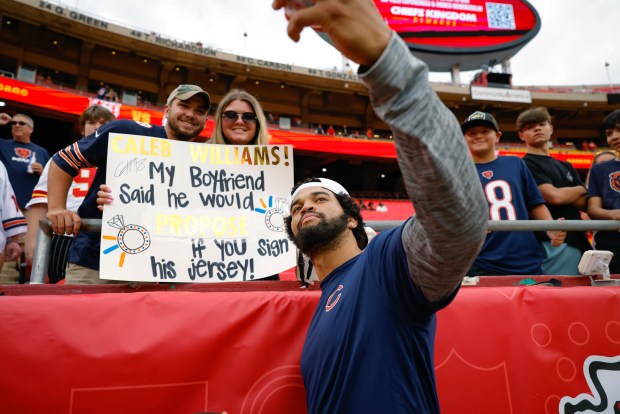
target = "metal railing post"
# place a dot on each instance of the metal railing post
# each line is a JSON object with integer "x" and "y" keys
{"x": 42, "y": 250}
{"x": 41, "y": 258}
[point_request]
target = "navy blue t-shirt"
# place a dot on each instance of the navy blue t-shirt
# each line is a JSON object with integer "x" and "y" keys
{"x": 511, "y": 192}
{"x": 16, "y": 156}
{"x": 605, "y": 183}
{"x": 92, "y": 151}
{"x": 370, "y": 345}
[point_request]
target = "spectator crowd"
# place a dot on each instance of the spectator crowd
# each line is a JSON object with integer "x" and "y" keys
{"x": 537, "y": 186}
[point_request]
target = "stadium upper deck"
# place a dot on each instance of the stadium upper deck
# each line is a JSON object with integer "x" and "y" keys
{"x": 80, "y": 52}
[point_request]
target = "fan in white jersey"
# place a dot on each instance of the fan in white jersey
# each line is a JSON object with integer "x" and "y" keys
{"x": 92, "y": 118}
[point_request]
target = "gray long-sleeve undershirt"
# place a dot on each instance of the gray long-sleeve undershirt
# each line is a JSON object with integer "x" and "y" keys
{"x": 440, "y": 177}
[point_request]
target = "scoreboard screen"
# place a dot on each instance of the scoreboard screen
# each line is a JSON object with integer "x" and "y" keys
{"x": 460, "y": 23}
{"x": 467, "y": 33}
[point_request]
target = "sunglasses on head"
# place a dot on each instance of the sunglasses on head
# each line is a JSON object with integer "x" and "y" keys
{"x": 20, "y": 123}
{"x": 246, "y": 116}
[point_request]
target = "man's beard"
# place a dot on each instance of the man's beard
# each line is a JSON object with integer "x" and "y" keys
{"x": 180, "y": 134}
{"x": 323, "y": 236}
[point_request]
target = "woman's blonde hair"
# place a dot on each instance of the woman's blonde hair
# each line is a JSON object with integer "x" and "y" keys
{"x": 260, "y": 137}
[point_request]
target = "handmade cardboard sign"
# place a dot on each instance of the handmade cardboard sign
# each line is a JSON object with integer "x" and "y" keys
{"x": 195, "y": 212}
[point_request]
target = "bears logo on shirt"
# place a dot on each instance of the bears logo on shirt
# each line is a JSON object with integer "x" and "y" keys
{"x": 487, "y": 174}
{"x": 23, "y": 153}
{"x": 331, "y": 301}
{"x": 614, "y": 181}
{"x": 145, "y": 125}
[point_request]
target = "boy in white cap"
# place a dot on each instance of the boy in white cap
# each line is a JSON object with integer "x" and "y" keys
{"x": 512, "y": 194}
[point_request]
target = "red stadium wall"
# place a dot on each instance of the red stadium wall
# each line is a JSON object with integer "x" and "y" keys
{"x": 498, "y": 349}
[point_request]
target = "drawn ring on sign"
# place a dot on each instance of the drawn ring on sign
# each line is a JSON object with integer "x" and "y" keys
{"x": 146, "y": 238}
{"x": 271, "y": 216}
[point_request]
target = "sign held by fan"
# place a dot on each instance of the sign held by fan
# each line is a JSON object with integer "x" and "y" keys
{"x": 195, "y": 213}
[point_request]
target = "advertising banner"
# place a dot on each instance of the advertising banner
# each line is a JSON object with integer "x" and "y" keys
{"x": 498, "y": 350}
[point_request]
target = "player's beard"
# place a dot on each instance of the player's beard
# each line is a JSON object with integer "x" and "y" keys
{"x": 323, "y": 236}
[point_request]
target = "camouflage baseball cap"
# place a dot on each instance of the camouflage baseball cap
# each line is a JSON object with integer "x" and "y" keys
{"x": 184, "y": 92}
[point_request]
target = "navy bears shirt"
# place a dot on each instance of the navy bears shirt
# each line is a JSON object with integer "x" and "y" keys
{"x": 370, "y": 305}
{"x": 511, "y": 193}
{"x": 16, "y": 156}
{"x": 92, "y": 151}
{"x": 605, "y": 183}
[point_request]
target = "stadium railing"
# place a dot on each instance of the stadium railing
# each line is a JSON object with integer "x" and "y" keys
{"x": 42, "y": 248}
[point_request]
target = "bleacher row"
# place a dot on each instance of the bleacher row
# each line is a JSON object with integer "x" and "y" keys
{"x": 573, "y": 147}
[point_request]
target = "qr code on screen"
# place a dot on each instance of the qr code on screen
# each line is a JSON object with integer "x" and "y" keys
{"x": 501, "y": 16}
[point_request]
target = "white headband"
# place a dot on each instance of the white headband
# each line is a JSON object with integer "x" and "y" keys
{"x": 326, "y": 183}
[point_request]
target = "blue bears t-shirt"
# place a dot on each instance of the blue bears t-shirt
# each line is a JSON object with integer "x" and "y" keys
{"x": 370, "y": 345}
{"x": 16, "y": 157}
{"x": 605, "y": 183}
{"x": 92, "y": 151}
{"x": 511, "y": 192}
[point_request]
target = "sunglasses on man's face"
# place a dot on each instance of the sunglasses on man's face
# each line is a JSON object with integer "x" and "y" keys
{"x": 246, "y": 116}
{"x": 20, "y": 123}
